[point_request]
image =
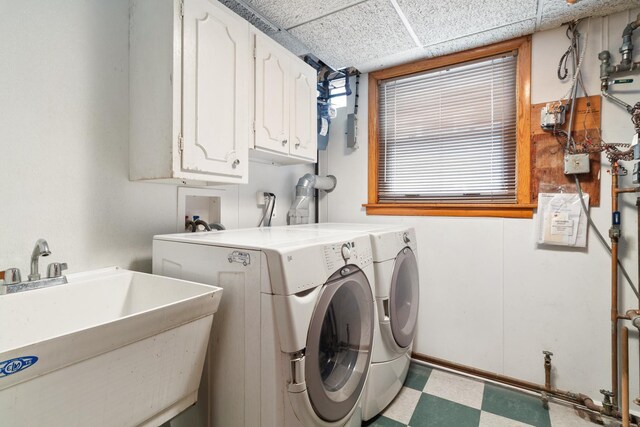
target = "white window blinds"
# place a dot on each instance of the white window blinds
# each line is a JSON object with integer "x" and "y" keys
{"x": 449, "y": 135}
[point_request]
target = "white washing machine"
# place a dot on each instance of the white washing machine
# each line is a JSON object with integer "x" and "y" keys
{"x": 293, "y": 336}
{"x": 397, "y": 299}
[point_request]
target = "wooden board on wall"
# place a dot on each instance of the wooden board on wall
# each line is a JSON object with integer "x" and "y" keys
{"x": 547, "y": 154}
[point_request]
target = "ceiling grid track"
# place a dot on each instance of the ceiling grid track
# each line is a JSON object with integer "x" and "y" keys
{"x": 539, "y": 14}
{"x": 477, "y": 33}
{"x": 326, "y": 14}
{"x": 406, "y": 23}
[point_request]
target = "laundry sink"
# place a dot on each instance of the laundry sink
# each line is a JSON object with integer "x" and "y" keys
{"x": 110, "y": 348}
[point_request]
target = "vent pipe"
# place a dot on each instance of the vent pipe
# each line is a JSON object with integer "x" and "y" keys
{"x": 299, "y": 211}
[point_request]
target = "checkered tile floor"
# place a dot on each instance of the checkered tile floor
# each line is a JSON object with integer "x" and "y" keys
{"x": 434, "y": 398}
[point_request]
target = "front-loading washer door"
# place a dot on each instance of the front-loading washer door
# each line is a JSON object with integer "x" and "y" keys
{"x": 339, "y": 344}
{"x": 403, "y": 297}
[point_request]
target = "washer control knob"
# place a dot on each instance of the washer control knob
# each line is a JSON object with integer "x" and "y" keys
{"x": 405, "y": 238}
{"x": 346, "y": 251}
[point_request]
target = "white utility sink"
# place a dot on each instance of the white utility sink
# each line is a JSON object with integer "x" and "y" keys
{"x": 110, "y": 348}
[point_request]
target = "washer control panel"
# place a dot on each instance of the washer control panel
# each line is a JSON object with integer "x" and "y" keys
{"x": 356, "y": 251}
{"x": 346, "y": 251}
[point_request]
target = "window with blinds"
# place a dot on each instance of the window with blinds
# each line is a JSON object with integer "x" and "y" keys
{"x": 449, "y": 135}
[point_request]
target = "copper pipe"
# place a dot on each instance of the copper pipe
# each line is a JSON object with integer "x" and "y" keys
{"x": 589, "y": 403}
{"x": 627, "y": 190}
{"x": 547, "y": 370}
{"x": 638, "y": 254}
{"x": 492, "y": 376}
{"x": 547, "y": 376}
{"x": 625, "y": 376}
{"x": 614, "y": 289}
{"x": 567, "y": 396}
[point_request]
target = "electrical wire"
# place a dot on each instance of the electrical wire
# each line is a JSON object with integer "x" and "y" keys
{"x": 588, "y": 146}
{"x": 268, "y": 207}
{"x": 272, "y": 197}
{"x": 602, "y": 239}
{"x": 355, "y": 107}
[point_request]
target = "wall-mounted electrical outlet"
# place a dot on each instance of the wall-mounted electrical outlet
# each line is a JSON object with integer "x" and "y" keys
{"x": 576, "y": 163}
{"x": 260, "y": 199}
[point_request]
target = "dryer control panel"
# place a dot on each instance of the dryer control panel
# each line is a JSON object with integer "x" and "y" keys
{"x": 356, "y": 251}
{"x": 387, "y": 244}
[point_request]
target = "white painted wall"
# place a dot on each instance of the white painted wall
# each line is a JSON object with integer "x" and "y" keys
{"x": 490, "y": 298}
{"x": 64, "y": 117}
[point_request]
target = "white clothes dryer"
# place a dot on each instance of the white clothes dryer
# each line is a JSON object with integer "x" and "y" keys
{"x": 293, "y": 336}
{"x": 397, "y": 299}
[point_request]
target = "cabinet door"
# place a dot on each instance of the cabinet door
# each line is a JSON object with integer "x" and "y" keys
{"x": 272, "y": 96}
{"x": 304, "y": 111}
{"x": 215, "y": 92}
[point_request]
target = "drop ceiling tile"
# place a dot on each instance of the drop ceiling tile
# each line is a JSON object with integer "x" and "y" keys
{"x": 438, "y": 21}
{"x": 290, "y": 13}
{"x": 556, "y": 12}
{"x": 482, "y": 39}
{"x": 463, "y": 43}
{"x": 357, "y": 34}
{"x": 391, "y": 60}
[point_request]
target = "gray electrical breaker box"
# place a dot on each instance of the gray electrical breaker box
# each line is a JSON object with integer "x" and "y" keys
{"x": 576, "y": 163}
{"x": 352, "y": 130}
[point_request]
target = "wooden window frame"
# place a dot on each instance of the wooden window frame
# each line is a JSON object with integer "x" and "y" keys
{"x": 523, "y": 208}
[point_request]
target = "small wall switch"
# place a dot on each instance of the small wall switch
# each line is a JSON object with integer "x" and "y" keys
{"x": 576, "y": 163}
{"x": 260, "y": 201}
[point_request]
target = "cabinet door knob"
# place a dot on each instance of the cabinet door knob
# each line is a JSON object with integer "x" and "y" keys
{"x": 297, "y": 145}
{"x": 235, "y": 163}
{"x": 284, "y": 142}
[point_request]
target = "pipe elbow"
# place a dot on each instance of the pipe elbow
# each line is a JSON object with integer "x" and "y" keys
{"x": 631, "y": 27}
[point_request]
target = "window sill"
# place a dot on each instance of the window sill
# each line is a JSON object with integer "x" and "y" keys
{"x": 523, "y": 210}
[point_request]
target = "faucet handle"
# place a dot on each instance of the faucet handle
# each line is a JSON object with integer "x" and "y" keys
{"x": 55, "y": 269}
{"x": 12, "y": 276}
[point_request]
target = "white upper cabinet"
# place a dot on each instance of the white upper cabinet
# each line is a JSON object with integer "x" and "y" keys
{"x": 205, "y": 87}
{"x": 303, "y": 126}
{"x": 216, "y": 68}
{"x": 190, "y": 69}
{"x": 285, "y": 105}
{"x": 272, "y": 100}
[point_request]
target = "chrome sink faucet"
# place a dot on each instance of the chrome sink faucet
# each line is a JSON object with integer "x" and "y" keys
{"x": 13, "y": 281}
{"x": 41, "y": 249}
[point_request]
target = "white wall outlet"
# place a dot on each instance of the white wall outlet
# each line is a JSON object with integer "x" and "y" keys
{"x": 260, "y": 201}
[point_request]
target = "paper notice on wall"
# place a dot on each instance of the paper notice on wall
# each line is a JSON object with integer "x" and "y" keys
{"x": 561, "y": 220}
{"x": 561, "y": 225}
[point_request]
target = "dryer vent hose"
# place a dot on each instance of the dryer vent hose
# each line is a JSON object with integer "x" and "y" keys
{"x": 299, "y": 211}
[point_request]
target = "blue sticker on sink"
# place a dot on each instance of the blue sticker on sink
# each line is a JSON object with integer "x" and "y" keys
{"x": 18, "y": 364}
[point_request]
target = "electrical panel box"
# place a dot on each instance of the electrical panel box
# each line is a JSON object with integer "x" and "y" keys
{"x": 352, "y": 131}
{"x": 576, "y": 163}
{"x": 553, "y": 114}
